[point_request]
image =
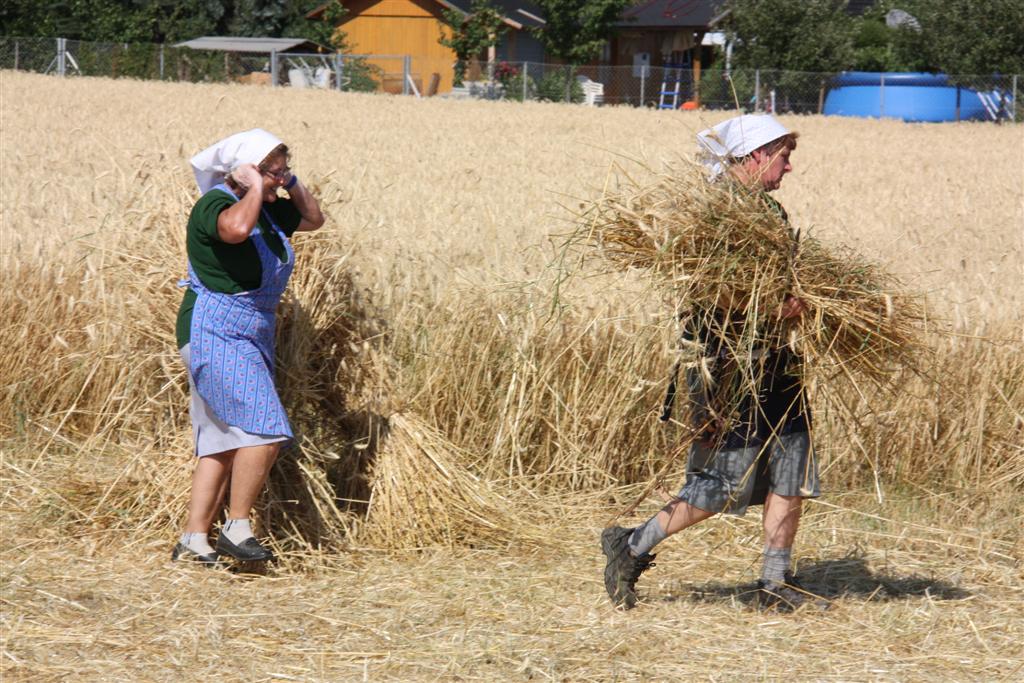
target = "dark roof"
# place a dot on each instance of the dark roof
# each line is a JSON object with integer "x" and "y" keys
{"x": 673, "y": 14}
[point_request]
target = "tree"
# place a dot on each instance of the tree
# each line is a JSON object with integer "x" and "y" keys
{"x": 576, "y": 30}
{"x": 796, "y": 35}
{"x": 964, "y": 36}
{"x": 471, "y": 33}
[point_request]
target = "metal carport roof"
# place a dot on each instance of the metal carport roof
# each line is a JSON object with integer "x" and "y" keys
{"x": 262, "y": 45}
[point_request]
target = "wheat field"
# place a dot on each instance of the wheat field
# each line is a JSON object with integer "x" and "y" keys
{"x": 473, "y": 404}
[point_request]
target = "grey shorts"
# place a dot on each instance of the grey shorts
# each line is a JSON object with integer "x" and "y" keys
{"x": 731, "y": 479}
{"x": 210, "y": 434}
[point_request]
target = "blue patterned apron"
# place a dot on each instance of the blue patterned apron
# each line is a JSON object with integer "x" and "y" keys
{"x": 232, "y": 344}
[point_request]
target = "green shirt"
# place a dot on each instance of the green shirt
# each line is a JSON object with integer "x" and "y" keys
{"x": 223, "y": 267}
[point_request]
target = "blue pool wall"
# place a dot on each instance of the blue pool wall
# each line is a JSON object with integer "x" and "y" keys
{"x": 907, "y": 96}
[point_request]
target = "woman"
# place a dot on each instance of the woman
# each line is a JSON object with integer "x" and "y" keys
{"x": 764, "y": 457}
{"x": 239, "y": 261}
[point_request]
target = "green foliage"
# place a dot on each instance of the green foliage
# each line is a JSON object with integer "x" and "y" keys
{"x": 559, "y": 85}
{"x": 964, "y": 36}
{"x": 801, "y": 35}
{"x": 361, "y": 76}
{"x": 159, "y": 21}
{"x": 259, "y": 17}
{"x": 471, "y": 33}
{"x": 955, "y": 36}
{"x": 732, "y": 91}
{"x": 324, "y": 30}
{"x": 577, "y": 30}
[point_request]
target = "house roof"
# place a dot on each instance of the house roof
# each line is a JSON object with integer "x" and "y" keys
{"x": 264, "y": 45}
{"x": 518, "y": 15}
{"x": 673, "y": 14}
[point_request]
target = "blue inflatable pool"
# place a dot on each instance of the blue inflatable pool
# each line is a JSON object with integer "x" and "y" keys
{"x": 911, "y": 97}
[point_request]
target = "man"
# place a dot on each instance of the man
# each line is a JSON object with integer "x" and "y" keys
{"x": 754, "y": 446}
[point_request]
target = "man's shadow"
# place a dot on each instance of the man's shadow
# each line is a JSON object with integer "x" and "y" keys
{"x": 848, "y": 577}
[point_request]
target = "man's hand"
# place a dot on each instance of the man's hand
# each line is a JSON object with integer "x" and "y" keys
{"x": 792, "y": 307}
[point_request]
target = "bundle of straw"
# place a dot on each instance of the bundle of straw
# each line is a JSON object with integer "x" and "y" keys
{"x": 728, "y": 254}
{"x": 424, "y": 493}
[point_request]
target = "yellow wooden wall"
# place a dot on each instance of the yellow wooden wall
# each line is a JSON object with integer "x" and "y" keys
{"x": 400, "y": 27}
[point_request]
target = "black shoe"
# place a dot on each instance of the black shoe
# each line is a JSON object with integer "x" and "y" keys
{"x": 248, "y": 550}
{"x": 787, "y": 596}
{"x": 622, "y": 570}
{"x": 183, "y": 552}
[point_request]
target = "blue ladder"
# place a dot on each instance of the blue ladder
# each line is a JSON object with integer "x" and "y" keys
{"x": 671, "y": 86}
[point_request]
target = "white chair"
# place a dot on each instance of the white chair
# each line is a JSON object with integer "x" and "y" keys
{"x": 322, "y": 77}
{"x": 593, "y": 92}
{"x": 297, "y": 78}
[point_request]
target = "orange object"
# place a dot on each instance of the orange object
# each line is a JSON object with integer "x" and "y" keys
{"x": 690, "y": 106}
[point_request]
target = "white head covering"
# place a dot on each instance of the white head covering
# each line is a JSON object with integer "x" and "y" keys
{"x": 735, "y": 138}
{"x": 213, "y": 164}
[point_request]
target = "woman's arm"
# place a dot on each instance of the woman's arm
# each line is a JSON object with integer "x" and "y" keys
{"x": 236, "y": 222}
{"x": 309, "y": 208}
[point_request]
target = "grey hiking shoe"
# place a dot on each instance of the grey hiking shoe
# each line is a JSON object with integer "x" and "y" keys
{"x": 787, "y": 596}
{"x": 622, "y": 569}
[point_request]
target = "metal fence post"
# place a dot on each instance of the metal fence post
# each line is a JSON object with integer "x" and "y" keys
{"x": 61, "y": 56}
{"x": 338, "y": 70}
{"x": 406, "y": 73}
{"x": 273, "y": 68}
{"x": 757, "y": 90}
{"x": 526, "y": 77}
{"x": 958, "y": 102}
{"x": 643, "y": 83}
{"x": 16, "y": 57}
{"x": 1014, "y": 104}
{"x": 161, "y": 61}
{"x": 881, "y": 97}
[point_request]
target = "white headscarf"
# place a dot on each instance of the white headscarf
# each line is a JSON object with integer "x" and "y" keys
{"x": 213, "y": 164}
{"x": 735, "y": 138}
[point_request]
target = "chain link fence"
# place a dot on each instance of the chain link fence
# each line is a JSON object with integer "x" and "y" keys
{"x": 992, "y": 98}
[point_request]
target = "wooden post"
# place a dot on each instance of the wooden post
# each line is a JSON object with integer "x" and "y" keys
{"x": 696, "y": 71}
{"x": 821, "y": 96}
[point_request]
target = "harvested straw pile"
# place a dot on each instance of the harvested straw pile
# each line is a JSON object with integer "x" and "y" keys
{"x": 727, "y": 255}
{"x": 425, "y": 493}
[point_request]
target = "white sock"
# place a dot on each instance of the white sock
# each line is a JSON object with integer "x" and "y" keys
{"x": 646, "y": 536}
{"x": 197, "y": 542}
{"x": 237, "y": 530}
{"x": 776, "y": 564}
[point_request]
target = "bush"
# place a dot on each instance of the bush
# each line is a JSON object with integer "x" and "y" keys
{"x": 552, "y": 87}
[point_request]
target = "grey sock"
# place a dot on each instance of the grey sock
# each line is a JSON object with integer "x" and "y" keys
{"x": 197, "y": 542}
{"x": 646, "y": 536}
{"x": 776, "y": 564}
{"x": 237, "y": 530}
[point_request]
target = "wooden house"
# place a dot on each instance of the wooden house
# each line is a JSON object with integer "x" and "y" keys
{"x": 666, "y": 33}
{"x": 413, "y": 27}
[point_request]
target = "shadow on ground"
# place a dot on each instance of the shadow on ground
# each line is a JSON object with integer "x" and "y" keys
{"x": 848, "y": 577}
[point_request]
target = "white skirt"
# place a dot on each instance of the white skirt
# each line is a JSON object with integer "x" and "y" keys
{"x": 209, "y": 433}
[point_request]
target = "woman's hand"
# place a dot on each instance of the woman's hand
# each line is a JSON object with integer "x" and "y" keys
{"x": 248, "y": 177}
{"x": 792, "y": 307}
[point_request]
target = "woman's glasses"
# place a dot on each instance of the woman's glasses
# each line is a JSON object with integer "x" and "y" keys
{"x": 279, "y": 176}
